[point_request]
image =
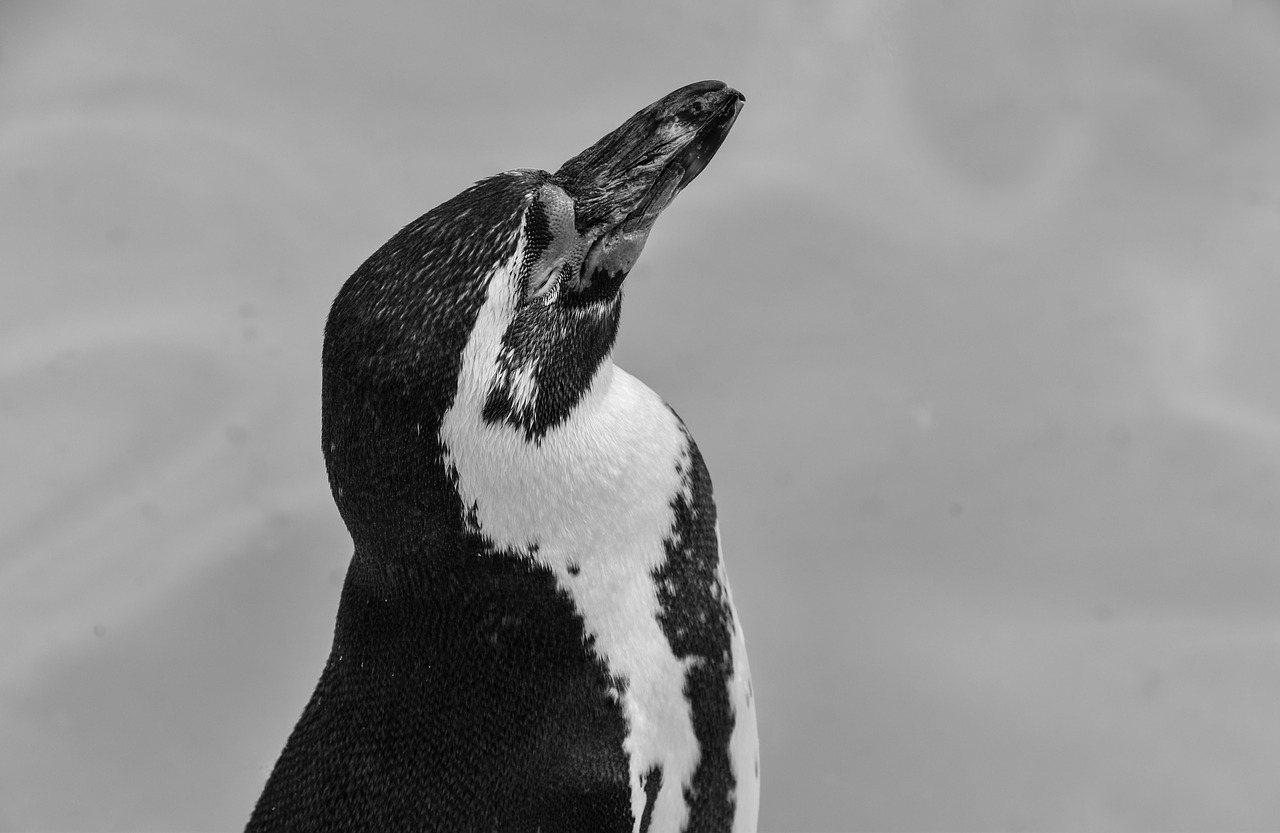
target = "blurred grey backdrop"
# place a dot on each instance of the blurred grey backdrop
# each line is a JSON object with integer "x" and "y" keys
{"x": 974, "y": 317}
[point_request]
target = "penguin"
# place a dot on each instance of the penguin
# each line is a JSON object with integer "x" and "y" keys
{"x": 535, "y": 631}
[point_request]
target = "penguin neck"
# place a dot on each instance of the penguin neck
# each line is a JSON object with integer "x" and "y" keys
{"x": 405, "y": 484}
{"x": 582, "y": 480}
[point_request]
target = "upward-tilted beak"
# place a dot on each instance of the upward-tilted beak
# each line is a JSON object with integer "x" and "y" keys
{"x": 624, "y": 181}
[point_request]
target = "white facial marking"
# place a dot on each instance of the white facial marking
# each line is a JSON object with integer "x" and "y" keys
{"x": 595, "y": 493}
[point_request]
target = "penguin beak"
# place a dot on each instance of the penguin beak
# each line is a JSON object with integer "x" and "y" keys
{"x": 624, "y": 181}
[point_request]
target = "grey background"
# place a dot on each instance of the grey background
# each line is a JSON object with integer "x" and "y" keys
{"x": 974, "y": 318}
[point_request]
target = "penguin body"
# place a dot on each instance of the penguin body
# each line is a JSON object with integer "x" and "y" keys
{"x": 535, "y": 632}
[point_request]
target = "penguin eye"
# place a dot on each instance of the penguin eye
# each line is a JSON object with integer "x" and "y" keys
{"x": 545, "y": 284}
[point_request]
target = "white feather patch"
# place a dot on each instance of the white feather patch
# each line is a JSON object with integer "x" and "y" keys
{"x": 595, "y": 494}
{"x": 524, "y": 389}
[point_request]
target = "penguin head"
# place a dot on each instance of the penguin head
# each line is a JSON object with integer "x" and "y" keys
{"x": 611, "y": 194}
{"x": 523, "y": 273}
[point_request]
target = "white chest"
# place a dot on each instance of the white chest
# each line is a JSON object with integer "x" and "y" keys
{"x": 593, "y": 502}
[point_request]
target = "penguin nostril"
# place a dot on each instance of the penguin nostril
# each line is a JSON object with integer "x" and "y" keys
{"x": 694, "y": 111}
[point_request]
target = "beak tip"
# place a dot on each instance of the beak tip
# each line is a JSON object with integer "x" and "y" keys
{"x": 638, "y": 168}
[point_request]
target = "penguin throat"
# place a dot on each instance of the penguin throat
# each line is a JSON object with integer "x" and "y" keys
{"x": 545, "y": 368}
{"x": 607, "y": 263}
